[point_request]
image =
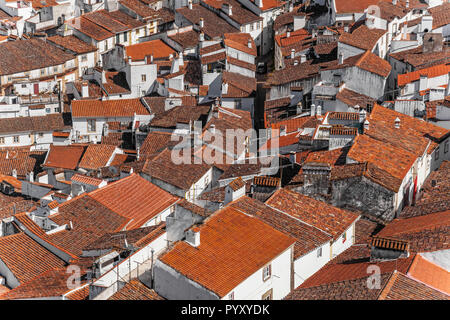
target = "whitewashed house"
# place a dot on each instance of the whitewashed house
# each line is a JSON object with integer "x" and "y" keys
{"x": 207, "y": 265}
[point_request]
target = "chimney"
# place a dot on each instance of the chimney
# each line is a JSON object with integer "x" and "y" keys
{"x": 397, "y": 123}
{"x": 319, "y": 110}
{"x": 103, "y": 76}
{"x": 362, "y": 115}
{"x": 303, "y": 58}
{"x": 151, "y": 58}
{"x": 201, "y": 37}
{"x": 193, "y": 236}
{"x": 215, "y": 112}
{"x": 291, "y": 7}
{"x": 292, "y": 53}
{"x": 190, "y": 4}
{"x": 341, "y": 58}
{"x": 259, "y": 3}
{"x": 249, "y": 43}
{"x": 180, "y": 59}
{"x": 146, "y": 59}
{"x": 313, "y": 110}
{"x": 201, "y": 23}
{"x": 212, "y": 128}
{"x": 85, "y": 89}
{"x": 282, "y": 130}
{"x": 394, "y": 2}
{"x": 234, "y": 190}
{"x": 407, "y": 3}
{"x": 227, "y": 8}
{"x": 288, "y": 34}
{"x": 366, "y": 125}
{"x": 295, "y": 62}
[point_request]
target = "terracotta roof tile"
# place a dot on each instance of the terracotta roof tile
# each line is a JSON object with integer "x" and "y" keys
{"x": 430, "y": 72}
{"x": 135, "y": 290}
{"x": 431, "y": 274}
{"x": 134, "y": 198}
{"x": 157, "y": 48}
{"x": 329, "y": 219}
{"x": 226, "y": 237}
{"x": 108, "y": 108}
{"x": 66, "y": 157}
{"x": 25, "y": 257}
{"x": 72, "y": 43}
{"x": 96, "y": 156}
{"x": 307, "y": 237}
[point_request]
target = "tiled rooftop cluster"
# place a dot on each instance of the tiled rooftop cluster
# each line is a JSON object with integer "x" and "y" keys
{"x": 224, "y": 149}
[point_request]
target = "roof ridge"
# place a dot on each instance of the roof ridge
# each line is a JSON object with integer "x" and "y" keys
{"x": 387, "y": 287}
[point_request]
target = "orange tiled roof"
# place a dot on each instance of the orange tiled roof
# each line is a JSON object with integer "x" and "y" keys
{"x": 431, "y": 72}
{"x": 25, "y": 257}
{"x": 321, "y": 215}
{"x": 431, "y": 274}
{"x": 96, "y": 156}
{"x": 134, "y": 198}
{"x": 331, "y": 157}
{"x": 66, "y": 157}
{"x": 157, "y": 48}
{"x": 108, "y": 108}
{"x": 52, "y": 283}
{"x": 225, "y": 238}
{"x": 86, "y": 179}
{"x": 135, "y": 290}
{"x": 239, "y": 41}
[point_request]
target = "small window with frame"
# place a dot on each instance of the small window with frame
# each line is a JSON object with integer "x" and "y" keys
{"x": 267, "y": 272}
{"x": 268, "y": 295}
{"x": 319, "y": 252}
{"x": 231, "y": 296}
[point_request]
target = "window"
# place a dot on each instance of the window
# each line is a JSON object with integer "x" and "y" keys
{"x": 125, "y": 36}
{"x": 437, "y": 153}
{"x": 446, "y": 147}
{"x": 16, "y": 139}
{"x": 267, "y": 272}
{"x": 42, "y": 72}
{"x": 47, "y": 110}
{"x": 251, "y": 27}
{"x": 231, "y": 296}
{"x": 267, "y": 295}
{"x": 143, "y": 77}
{"x": 117, "y": 38}
{"x": 138, "y": 31}
{"x": 91, "y": 125}
{"x": 40, "y": 134}
{"x": 319, "y": 252}
{"x": 344, "y": 237}
{"x": 84, "y": 57}
{"x": 106, "y": 45}
{"x": 24, "y": 86}
{"x": 143, "y": 92}
{"x": 2, "y": 140}
{"x": 55, "y": 69}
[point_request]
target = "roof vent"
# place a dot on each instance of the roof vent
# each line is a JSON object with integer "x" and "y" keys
{"x": 295, "y": 62}
{"x": 366, "y": 124}
{"x": 201, "y": 23}
{"x": 397, "y": 123}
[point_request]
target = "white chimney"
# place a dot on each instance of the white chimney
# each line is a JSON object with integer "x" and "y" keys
{"x": 190, "y": 4}
{"x": 407, "y": 3}
{"x": 193, "y": 236}
{"x": 394, "y": 2}
{"x": 366, "y": 124}
{"x": 319, "y": 110}
{"x": 313, "y": 110}
{"x": 282, "y": 130}
{"x": 341, "y": 58}
{"x": 201, "y": 37}
{"x": 362, "y": 115}
{"x": 295, "y": 62}
{"x": 288, "y": 34}
{"x": 212, "y": 128}
{"x": 151, "y": 58}
{"x": 180, "y": 59}
{"x": 201, "y": 23}
{"x": 103, "y": 76}
{"x": 85, "y": 89}
{"x": 259, "y": 3}
{"x": 397, "y": 123}
{"x": 291, "y": 7}
{"x": 292, "y": 53}
{"x": 249, "y": 43}
{"x": 303, "y": 58}
{"x": 227, "y": 8}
